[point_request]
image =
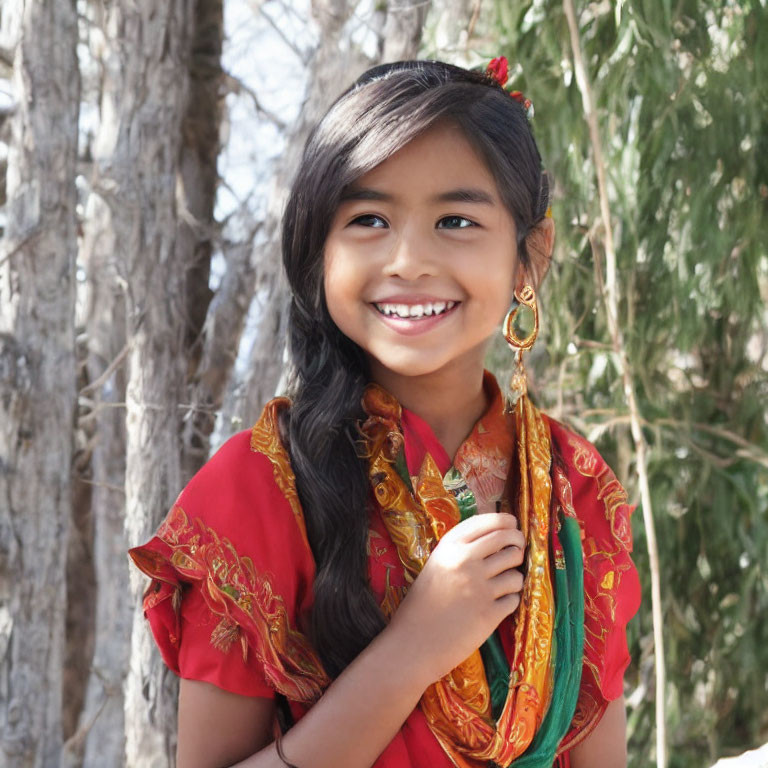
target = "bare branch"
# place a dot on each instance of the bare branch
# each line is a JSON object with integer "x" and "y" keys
{"x": 107, "y": 372}
{"x": 6, "y": 58}
{"x": 109, "y": 487}
{"x": 403, "y": 28}
{"x": 303, "y": 56}
{"x": 235, "y": 85}
{"x": 473, "y": 20}
{"x": 25, "y": 241}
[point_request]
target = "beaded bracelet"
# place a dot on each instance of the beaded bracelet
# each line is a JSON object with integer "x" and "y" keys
{"x": 279, "y": 747}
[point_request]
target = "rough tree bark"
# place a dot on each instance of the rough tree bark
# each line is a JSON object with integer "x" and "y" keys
{"x": 99, "y": 738}
{"x": 147, "y": 243}
{"x": 37, "y": 378}
{"x": 209, "y": 367}
{"x": 139, "y": 183}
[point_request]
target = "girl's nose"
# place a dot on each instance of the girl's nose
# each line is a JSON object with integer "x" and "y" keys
{"x": 412, "y": 256}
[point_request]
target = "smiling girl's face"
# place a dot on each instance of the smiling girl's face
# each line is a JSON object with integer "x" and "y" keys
{"x": 421, "y": 258}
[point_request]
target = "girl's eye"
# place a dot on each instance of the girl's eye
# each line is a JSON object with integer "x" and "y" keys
{"x": 455, "y": 222}
{"x": 370, "y": 220}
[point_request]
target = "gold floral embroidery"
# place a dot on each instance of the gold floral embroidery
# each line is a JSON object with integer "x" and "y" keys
{"x": 610, "y": 490}
{"x": 250, "y": 610}
{"x": 485, "y": 471}
{"x": 483, "y": 458}
{"x": 265, "y": 438}
{"x": 564, "y": 492}
{"x": 225, "y": 634}
{"x": 393, "y": 595}
{"x": 372, "y": 550}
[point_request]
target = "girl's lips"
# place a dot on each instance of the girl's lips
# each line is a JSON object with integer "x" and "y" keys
{"x": 413, "y": 326}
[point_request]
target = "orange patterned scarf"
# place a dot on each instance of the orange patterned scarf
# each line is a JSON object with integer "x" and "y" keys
{"x": 458, "y": 706}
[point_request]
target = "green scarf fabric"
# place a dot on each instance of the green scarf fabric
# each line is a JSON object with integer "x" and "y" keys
{"x": 568, "y": 650}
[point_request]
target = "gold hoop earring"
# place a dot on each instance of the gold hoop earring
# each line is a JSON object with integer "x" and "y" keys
{"x": 518, "y": 385}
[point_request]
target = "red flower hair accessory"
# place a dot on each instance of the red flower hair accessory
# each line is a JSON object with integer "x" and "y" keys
{"x": 498, "y": 69}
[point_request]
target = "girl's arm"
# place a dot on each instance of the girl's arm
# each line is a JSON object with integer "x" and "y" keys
{"x": 218, "y": 728}
{"x": 353, "y": 722}
{"x": 468, "y": 585}
{"x": 606, "y": 746}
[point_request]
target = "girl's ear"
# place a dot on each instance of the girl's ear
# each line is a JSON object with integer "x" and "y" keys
{"x": 539, "y": 243}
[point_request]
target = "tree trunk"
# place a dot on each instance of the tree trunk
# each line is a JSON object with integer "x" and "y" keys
{"x": 403, "y": 29}
{"x": 195, "y": 238}
{"x": 37, "y": 379}
{"x": 148, "y": 57}
{"x": 100, "y": 737}
{"x": 147, "y": 244}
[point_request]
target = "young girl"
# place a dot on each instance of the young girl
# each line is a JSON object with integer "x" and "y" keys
{"x": 335, "y": 586}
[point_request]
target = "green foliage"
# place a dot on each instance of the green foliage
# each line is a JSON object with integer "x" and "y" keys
{"x": 680, "y": 91}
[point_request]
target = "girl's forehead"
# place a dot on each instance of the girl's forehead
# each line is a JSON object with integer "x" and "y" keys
{"x": 440, "y": 156}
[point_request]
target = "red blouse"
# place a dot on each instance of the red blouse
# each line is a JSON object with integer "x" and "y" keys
{"x": 231, "y": 571}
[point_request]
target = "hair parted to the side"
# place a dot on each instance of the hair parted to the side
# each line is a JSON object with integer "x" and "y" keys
{"x": 381, "y": 112}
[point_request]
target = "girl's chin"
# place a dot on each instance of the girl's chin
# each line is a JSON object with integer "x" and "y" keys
{"x": 420, "y": 362}
{"x": 407, "y": 365}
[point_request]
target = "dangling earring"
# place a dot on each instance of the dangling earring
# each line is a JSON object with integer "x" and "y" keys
{"x": 517, "y": 385}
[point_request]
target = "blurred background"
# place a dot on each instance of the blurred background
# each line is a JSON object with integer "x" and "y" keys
{"x": 145, "y": 153}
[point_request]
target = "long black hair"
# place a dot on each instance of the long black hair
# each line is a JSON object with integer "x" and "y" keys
{"x": 381, "y": 112}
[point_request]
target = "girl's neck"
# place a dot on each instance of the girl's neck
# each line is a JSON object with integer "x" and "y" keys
{"x": 450, "y": 400}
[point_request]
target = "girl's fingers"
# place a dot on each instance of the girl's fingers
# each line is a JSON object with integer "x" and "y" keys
{"x": 507, "y": 583}
{"x": 496, "y": 540}
{"x": 478, "y": 525}
{"x": 508, "y": 603}
{"x": 509, "y": 557}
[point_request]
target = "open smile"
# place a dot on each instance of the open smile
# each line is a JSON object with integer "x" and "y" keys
{"x": 412, "y": 319}
{"x": 415, "y": 311}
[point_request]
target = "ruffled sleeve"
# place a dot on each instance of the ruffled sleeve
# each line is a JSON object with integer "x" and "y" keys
{"x": 231, "y": 574}
{"x": 611, "y": 585}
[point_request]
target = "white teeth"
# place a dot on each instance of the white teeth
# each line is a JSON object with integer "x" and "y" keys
{"x": 416, "y": 310}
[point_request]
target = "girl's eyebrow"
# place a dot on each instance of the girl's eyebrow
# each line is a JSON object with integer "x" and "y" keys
{"x": 465, "y": 195}
{"x": 460, "y": 195}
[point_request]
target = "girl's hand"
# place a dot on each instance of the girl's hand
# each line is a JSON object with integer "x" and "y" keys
{"x": 469, "y": 584}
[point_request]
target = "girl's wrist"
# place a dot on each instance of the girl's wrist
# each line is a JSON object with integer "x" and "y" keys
{"x": 406, "y": 657}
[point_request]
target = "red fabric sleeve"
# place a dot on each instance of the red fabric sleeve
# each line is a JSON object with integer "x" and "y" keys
{"x": 198, "y": 659}
{"x": 231, "y": 577}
